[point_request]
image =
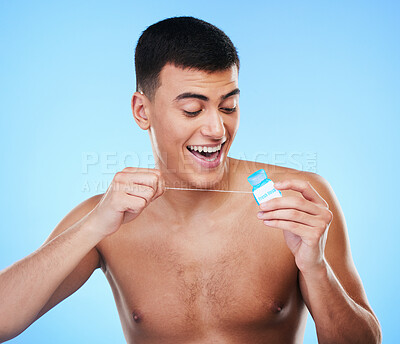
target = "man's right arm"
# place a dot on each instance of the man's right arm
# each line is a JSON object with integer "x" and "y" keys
{"x": 36, "y": 283}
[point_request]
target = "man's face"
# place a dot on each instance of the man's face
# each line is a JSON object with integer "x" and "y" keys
{"x": 192, "y": 112}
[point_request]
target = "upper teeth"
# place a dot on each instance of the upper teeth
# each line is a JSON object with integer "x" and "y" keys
{"x": 205, "y": 149}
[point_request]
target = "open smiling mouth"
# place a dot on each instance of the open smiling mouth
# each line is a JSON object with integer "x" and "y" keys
{"x": 209, "y": 154}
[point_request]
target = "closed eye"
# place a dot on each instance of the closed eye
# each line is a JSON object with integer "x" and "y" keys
{"x": 195, "y": 113}
{"x": 191, "y": 114}
{"x": 229, "y": 110}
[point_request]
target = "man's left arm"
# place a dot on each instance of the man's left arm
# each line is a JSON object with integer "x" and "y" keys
{"x": 315, "y": 231}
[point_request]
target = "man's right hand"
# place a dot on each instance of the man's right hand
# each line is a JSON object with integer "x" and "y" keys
{"x": 130, "y": 191}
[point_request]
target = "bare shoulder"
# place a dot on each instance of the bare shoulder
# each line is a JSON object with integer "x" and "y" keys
{"x": 241, "y": 169}
{"x": 93, "y": 258}
{"x": 76, "y": 214}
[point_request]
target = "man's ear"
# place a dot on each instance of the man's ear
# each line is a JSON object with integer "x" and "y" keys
{"x": 140, "y": 109}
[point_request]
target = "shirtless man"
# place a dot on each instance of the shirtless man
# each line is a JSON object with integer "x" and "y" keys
{"x": 192, "y": 266}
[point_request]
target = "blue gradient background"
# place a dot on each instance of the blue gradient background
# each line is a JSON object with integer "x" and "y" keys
{"x": 320, "y": 91}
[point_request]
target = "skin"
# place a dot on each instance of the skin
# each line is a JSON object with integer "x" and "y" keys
{"x": 203, "y": 267}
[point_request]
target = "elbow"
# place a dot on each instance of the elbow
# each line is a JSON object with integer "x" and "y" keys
{"x": 371, "y": 328}
{"x": 374, "y": 333}
{"x": 6, "y": 335}
{"x": 377, "y": 332}
{"x": 8, "y": 332}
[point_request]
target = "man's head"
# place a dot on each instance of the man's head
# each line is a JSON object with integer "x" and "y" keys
{"x": 185, "y": 42}
{"x": 187, "y": 99}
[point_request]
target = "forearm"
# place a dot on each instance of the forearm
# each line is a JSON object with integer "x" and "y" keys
{"x": 338, "y": 318}
{"x": 27, "y": 285}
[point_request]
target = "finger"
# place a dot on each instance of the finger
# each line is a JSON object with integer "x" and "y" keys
{"x": 160, "y": 188}
{"x": 290, "y": 215}
{"x": 144, "y": 191}
{"x": 304, "y": 187}
{"x": 291, "y": 202}
{"x": 130, "y": 182}
{"x": 134, "y": 178}
{"x": 293, "y": 227}
{"x": 144, "y": 171}
{"x": 141, "y": 170}
{"x": 133, "y": 204}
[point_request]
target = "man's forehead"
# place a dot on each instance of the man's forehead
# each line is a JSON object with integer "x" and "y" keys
{"x": 178, "y": 78}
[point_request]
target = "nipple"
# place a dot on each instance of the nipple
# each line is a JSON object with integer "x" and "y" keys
{"x": 136, "y": 317}
{"x": 277, "y": 307}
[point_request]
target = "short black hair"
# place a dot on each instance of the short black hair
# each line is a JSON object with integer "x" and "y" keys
{"x": 186, "y": 42}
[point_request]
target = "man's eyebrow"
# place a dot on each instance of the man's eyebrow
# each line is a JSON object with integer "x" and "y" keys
{"x": 230, "y": 94}
{"x": 202, "y": 97}
{"x": 190, "y": 95}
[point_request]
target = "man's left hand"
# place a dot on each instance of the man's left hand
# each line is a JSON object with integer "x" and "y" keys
{"x": 304, "y": 221}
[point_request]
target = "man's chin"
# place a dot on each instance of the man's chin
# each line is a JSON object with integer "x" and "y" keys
{"x": 194, "y": 180}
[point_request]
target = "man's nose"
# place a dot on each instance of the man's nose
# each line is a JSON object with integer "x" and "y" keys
{"x": 213, "y": 126}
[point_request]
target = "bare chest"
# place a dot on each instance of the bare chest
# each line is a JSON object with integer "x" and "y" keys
{"x": 240, "y": 279}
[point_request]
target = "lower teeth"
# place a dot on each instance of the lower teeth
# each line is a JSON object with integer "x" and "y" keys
{"x": 212, "y": 159}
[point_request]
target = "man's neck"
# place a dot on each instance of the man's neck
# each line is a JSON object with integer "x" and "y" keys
{"x": 186, "y": 204}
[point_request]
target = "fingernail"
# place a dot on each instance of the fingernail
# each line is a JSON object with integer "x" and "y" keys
{"x": 277, "y": 184}
{"x": 260, "y": 214}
